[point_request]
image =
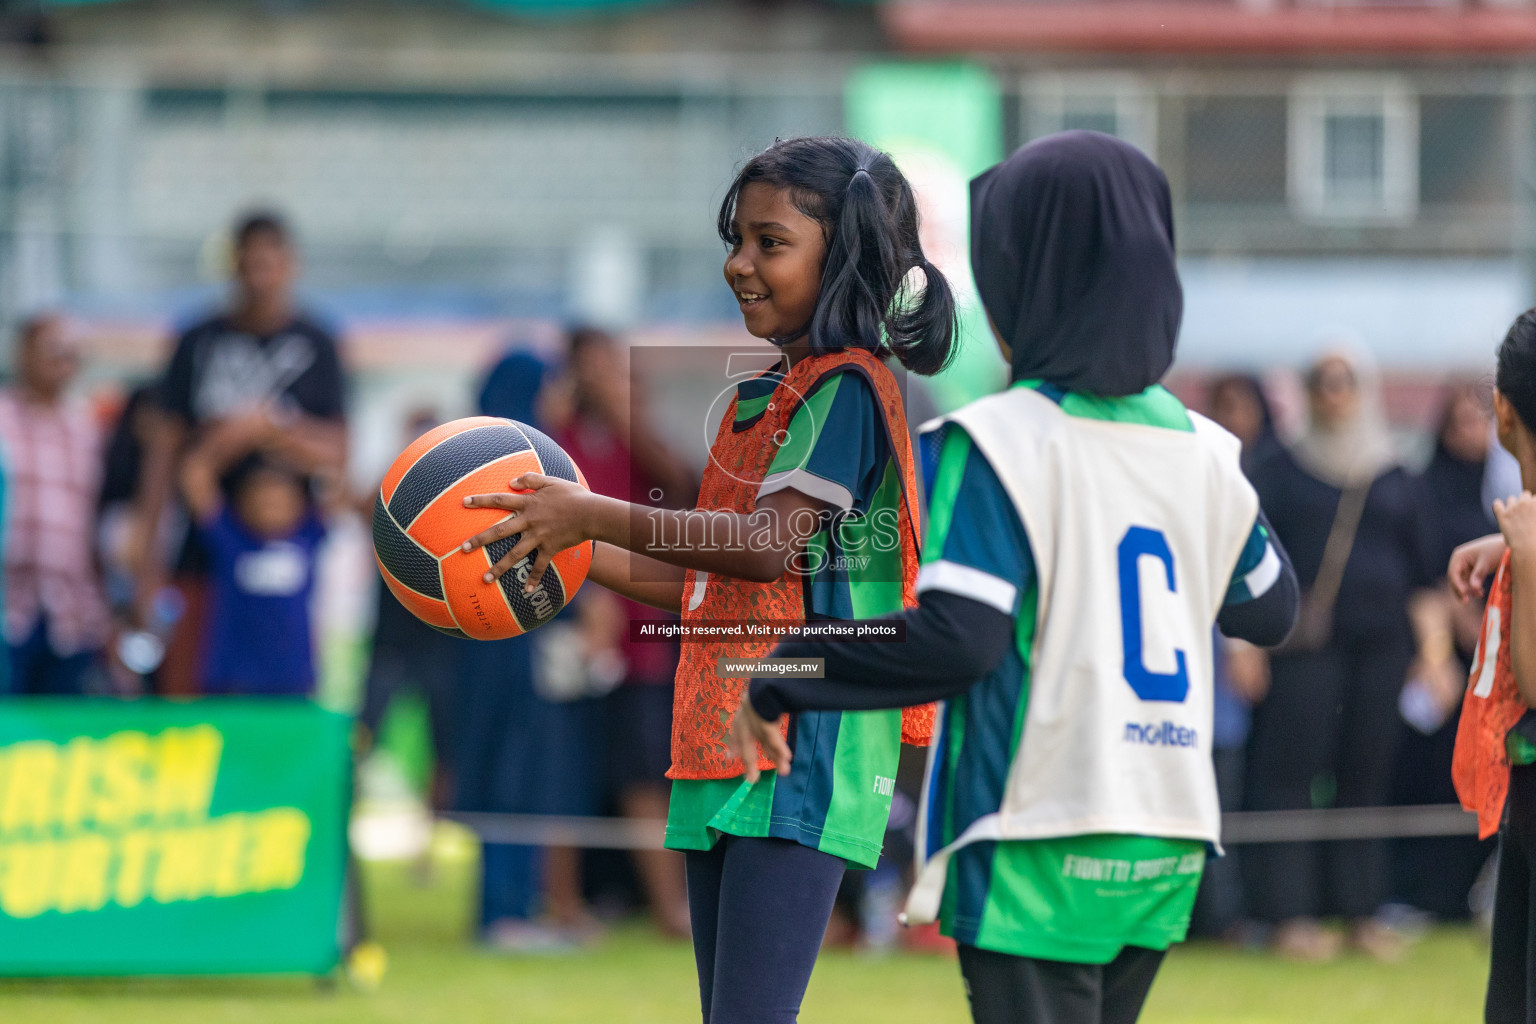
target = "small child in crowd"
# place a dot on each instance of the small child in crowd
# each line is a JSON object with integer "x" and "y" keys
{"x": 263, "y": 541}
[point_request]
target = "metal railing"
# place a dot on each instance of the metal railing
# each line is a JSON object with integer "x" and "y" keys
{"x": 1238, "y": 828}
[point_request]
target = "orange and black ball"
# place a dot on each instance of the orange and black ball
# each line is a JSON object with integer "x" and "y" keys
{"x": 420, "y": 524}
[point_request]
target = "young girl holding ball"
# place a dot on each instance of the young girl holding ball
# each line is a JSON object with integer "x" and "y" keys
{"x": 811, "y": 476}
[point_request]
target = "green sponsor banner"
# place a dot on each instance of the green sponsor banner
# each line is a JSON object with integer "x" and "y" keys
{"x": 943, "y": 124}
{"x": 161, "y": 837}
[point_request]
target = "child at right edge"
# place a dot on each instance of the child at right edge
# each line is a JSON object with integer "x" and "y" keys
{"x": 1495, "y": 761}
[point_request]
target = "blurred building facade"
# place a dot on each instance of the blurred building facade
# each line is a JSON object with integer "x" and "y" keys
{"x": 1344, "y": 166}
{"x": 1362, "y": 169}
{"x": 484, "y": 162}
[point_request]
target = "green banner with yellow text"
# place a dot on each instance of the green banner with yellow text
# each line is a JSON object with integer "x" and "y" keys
{"x": 160, "y": 837}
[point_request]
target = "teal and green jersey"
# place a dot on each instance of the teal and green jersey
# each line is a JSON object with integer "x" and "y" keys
{"x": 836, "y": 450}
{"x": 1073, "y": 898}
{"x": 838, "y": 797}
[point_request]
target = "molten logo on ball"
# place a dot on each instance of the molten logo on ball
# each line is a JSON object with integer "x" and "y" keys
{"x": 419, "y": 523}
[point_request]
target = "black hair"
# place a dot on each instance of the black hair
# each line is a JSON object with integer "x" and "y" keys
{"x": 31, "y": 325}
{"x": 1452, "y": 394}
{"x": 238, "y": 476}
{"x": 262, "y": 223}
{"x": 1250, "y": 385}
{"x": 868, "y": 215}
{"x": 1516, "y": 373}
{"x": 1314, "y": 374}
{"x": 580, "y": 336}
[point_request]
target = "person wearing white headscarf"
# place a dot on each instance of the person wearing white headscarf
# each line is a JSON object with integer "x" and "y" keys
{"x": 1327, "y": 732}
{"x": 1347, "y": 441}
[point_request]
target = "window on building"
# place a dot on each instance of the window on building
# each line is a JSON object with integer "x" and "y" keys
{"x": 1354, "y": 149}
{"x": 1119, "y": 105}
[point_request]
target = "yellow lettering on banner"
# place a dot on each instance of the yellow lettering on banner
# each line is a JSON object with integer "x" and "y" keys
{"x": 122, "y": 780}
{"x": 182, "y": 873}
{"x": 26, "y": 885}
{"x": 27, "y": 803}
{"x": 277, "y": 854}
{"x": 79, "y": 775}
{"x": 83, "y": 878}
{"x": 132, "y": 869}
{"x": 185, "y": 771}
{"x": 231, "y": 838}
{"x": 118, "y": 820}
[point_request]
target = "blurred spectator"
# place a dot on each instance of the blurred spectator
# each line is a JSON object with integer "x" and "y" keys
{"x": 56, "y": 618}
{"x": 260, "y": 357}
{"x": 407, "y": 654}
{"x": 520, "y": 753}
{"x": 599, "y": 417}
{"x": 134, "y": 653}
{"x": 1453, "y": 480}
{"x": 123, "y": 456}
{"x": 1327, "y": 732}
{"x": 1240, "y": 405}
{"x": 122, "y": 469}
{"x": 1436, "y": 874}
{"x": 262, "y": 545}
{"x": 1501, "y": 474}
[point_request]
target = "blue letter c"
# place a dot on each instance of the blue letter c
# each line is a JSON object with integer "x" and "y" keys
{"x": 1169, "y": 686}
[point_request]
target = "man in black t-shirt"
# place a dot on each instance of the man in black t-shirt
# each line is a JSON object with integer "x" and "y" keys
{"x": 262, "y": 361}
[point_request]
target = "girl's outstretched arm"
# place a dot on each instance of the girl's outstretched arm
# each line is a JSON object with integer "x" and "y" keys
{"x": 553, "y": 514}
{"x": 965, "y": 622}
{"x": 637, "y": 577}
{"x": 951, "y": 642}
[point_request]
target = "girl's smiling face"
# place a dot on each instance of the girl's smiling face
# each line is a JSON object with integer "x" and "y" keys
{"x": 774, "y": 267}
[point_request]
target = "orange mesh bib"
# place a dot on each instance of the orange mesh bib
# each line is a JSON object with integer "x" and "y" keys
{"x": 739, "y": 459}
{"x": 1491, "y": 707}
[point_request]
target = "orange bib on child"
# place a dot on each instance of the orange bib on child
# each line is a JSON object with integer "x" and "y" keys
{"x": 1491, "y": 707}
{"x": 705, "y": 702}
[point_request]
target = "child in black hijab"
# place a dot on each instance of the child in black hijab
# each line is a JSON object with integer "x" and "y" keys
{"x": 1085, "y": 530}
{"x": 1072, "y": 249}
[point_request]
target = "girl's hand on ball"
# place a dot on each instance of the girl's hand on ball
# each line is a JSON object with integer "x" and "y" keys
{"x": 549, "y": 513}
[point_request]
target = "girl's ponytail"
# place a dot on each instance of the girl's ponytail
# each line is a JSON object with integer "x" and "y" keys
{"x": 860, "y": 257}
{"x": 869, "y": 216}
{"x": 923, "y": 336}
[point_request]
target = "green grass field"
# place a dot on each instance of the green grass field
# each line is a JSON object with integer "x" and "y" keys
{"x": 631, "y": 978}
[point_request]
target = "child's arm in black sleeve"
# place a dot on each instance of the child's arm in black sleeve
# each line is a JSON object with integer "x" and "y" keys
{"x": 1265, "y": 598}
{"x": 951, "y": 642}
{"x": 964, "y": 623}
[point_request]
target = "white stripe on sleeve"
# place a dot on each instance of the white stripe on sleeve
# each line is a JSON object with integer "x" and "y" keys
{"x": 964, "y": 581}
{"x": 808, "y": 484}
{"x": 1264, "y": 575}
